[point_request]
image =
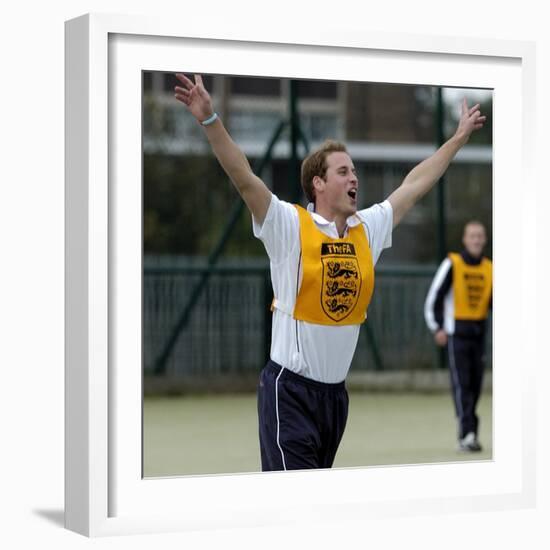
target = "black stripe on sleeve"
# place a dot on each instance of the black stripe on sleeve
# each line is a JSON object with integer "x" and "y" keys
{"x": 439, "y": 301}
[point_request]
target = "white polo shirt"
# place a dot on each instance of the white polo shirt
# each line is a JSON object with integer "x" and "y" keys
{"x": 319, "y": 352}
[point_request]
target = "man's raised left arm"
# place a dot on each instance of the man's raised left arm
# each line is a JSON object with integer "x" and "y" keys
{"x": 426, "y": 174}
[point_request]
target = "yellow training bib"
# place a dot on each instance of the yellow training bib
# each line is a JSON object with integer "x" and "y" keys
{"x": 338, "y": 275}
{"x": 472, "y": 288}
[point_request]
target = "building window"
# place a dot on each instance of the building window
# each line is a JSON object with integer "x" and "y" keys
{"x": 253, "y": 126}
{"x": 317, "y": 89}
{"x": 255, "y": 86}
{"x": 147, "y": 81}
{"x": 320, "y": 126}
{"x": 169, "y": 81}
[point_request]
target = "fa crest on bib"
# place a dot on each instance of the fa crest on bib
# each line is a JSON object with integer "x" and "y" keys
{"x": 341, "y": 283}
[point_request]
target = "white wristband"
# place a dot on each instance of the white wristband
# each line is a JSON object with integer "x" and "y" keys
{"x": 210, "y": 120}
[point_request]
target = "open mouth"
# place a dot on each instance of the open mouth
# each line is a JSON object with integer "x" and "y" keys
{"x": 353, "y": 193}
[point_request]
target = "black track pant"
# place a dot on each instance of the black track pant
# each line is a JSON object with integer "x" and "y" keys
{"x": 466, "y": 366}
{"x": 301, "y": 421}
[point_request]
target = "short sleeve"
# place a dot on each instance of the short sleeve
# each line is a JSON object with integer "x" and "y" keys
{"x": 279, "y": 231}
{"x": 378, "y": 223}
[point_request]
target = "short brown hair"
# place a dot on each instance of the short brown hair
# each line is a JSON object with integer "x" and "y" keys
{"x": 315, "y": 164}
{"x": 473, "y": 222}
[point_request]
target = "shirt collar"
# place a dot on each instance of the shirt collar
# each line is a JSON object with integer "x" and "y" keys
{"x": 351, "y": 221}
{"x": 469, "y": 259}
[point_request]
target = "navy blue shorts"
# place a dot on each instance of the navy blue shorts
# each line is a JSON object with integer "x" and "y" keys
{"x": 301, "y": 421}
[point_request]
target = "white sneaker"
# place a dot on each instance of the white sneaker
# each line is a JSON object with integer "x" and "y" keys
{"x": 469, "y": 443}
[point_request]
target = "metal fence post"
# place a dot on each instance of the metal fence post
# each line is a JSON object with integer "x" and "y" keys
{"x": 441, "y": 217}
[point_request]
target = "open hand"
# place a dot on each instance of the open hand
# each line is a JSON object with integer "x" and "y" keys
{"x": 470, "y": 120}
{"x": 194, "y": 96}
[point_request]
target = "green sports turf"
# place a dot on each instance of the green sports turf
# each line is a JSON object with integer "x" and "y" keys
{"x": 218, "y": 434}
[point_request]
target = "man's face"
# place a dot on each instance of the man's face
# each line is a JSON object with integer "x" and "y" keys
{"x": 474, "y": 239}
{"x": 340, "y": 187}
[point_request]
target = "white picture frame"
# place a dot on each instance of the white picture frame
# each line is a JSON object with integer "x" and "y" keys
{"x": 105, "y": 493}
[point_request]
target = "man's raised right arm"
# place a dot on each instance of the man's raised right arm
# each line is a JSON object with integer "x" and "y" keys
{"x": 252, "y": 189}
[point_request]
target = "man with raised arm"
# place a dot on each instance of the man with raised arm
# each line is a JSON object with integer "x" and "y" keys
{"x": 322, "y": 270}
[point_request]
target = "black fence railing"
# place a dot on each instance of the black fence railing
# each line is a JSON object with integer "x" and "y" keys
{"x": 229, "y": 329}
